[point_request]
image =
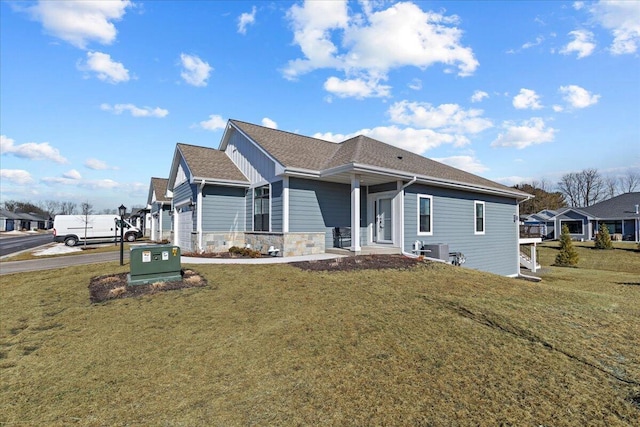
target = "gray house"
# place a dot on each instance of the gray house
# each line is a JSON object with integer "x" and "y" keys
{"x": 159, "y": 206}
{"x": 621, "y": 215}
{"x": 289, "y": 194}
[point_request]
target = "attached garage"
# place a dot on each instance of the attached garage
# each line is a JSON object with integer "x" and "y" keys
{"x": 184, "y": 228}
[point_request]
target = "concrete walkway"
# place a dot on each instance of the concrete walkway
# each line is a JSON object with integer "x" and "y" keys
{"x": 272, "y": 260}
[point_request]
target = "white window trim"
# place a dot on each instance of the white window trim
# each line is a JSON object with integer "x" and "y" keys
{"x": 475, "y": 218}
{"x": 430, "y": 232}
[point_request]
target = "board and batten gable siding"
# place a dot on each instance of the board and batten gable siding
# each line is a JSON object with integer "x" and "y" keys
{"x": 251, "y": 161}
{"x": 223, "y": 208}
{"x": 495, "y": 251}
{"x": 316, "y": 206}
{"x": 276, "y": 206}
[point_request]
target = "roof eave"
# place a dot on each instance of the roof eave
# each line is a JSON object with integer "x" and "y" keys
{"x": 221, "y": 182}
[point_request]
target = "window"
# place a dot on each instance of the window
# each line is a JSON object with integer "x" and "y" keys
{"x": 425, "y": 218}
{"x": 261, "y": 209}
{"x": 479, "y": 217}
{"x": 575, "y": 227}
{"x": 615, "y": 227}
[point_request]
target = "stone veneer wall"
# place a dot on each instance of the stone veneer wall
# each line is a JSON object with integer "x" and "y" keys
{"x": 289, "y": 244}
{"x": 219, "y": 241}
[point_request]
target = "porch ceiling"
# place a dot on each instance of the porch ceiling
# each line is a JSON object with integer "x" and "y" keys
{"x": 365, "y": 178}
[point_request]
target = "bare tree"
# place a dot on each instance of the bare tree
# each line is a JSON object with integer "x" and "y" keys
{"x": 592, "y": 186}
{"x": 10, "y": 205}
{"x": 611, "y": 186}
{"x": 68, "y": 208}
{"x": 86, "y": 209}
{"x": 582, "y": 188}
{"x": 52, "y": 207}
{"x": 630, "y": 182}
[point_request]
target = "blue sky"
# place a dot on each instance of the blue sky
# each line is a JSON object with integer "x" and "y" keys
{"x": 95, "y": 95}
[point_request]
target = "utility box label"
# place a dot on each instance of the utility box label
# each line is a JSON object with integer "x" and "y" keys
{"x": 146, "y": 256}
{"x": 165, "y": 255}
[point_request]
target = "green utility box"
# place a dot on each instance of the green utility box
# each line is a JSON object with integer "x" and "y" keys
{"x": 158, "y": 263}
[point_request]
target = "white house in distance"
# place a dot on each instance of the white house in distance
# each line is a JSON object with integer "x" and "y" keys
{"x": 159, "y": 205}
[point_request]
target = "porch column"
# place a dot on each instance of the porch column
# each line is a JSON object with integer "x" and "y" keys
{"x": 534, "y": 257}
{"x": 355, "y": 213}
{"x": 199, "y": 217}
{"x": 285, "y": 204}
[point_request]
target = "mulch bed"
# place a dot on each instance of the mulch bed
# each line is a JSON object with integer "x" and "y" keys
{"x": 361, "y": 262}
{"x": 115, "y": 286}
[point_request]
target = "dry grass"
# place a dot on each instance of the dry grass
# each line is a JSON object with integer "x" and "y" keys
{"x": 274, "y": 345}
{"x": 624, "y": 257}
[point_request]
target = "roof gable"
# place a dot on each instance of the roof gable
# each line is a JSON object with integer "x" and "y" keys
{"x": 158, "y": 190}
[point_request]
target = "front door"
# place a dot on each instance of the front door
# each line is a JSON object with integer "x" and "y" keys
{"x": 384, "y": 221}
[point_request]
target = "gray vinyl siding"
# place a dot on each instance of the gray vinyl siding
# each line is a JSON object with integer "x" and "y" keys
{"x": 223, "y": 208}
{"x": 253, "y": 163}
{"x": 183, "y": 193}
{"x": 318, "y": 206}
{"x": 166, "y": 219}
{"x": 248, "y": 210}
{"x": 276, "y": 206}
{"x": 574, "y": 216}
{"x": 496, "y": 251}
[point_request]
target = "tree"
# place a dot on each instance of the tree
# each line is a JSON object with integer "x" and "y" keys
{"x": 567, "y": 257}
{"x": 603, "y": 238}
{"x": 630, "y": 182}
{"x": 86, "y": 209}
{"x": 611, "y": 184}
{"x": 543, "y": 197}
{"x": 583, "y": 188}
{"x": 68, "y": 208}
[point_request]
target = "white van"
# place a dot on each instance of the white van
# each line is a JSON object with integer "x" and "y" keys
{"x": 72, "y": 229}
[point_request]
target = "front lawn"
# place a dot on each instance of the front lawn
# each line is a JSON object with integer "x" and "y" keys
{"x": 277, "y": 345}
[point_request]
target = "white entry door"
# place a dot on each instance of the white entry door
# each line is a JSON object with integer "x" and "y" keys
{"x": 384, "y": 220}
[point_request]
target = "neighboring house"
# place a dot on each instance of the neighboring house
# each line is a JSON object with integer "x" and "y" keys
{"x": 138, "y": 218}
{"x": 8, "y": 220}
{"x": 620, "y": 214}
{"x": 279, "y": 190}
{"x": 159, "y": 205}
{"x": 544, "y": 222}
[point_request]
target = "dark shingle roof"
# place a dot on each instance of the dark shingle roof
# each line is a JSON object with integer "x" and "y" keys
{"x": 210, "y": 163}
{"x": 302, "y": 152}
{"x": 622, "y": 206}
{"x": 159, "y": 186}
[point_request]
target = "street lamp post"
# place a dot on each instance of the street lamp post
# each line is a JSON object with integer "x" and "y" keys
{"x": 121, "y": 211}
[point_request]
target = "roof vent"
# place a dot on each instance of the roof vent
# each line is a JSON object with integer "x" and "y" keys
{"x": 637, "y": 209}
{"x": 399, "y": 157}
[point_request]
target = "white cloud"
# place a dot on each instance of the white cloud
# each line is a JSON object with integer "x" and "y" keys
{"x": 246, "y": 19}
{"x": 578, "y": 97}
{"x": 16, "y": 176}
{"x": 267, "y": 122}
{"x": 373, "y": 43}
{"x": 135, "y": 111}
{"x": 96, "y": 164}
{"x": 356, "y": 88}
{"x": 72, "y": 174}
{"x": 107, "y": 70}
{"x": 479, "y": 95}
{"x": 416, "y": 140}
{"x": 79, "y": 22}
{"x": 578, "y": 5}
{"x": 100, "y": 184}
{"x": 415, "y": 84}
{"x": 510, "y": 181}
{"x": 538, "y": 42}
{"x": 214, "y": 123}
{"x": 195, "y": 71}
{"x": 582, "y": 43}
{"x": 558, "y": 108}
{"x": 30, "y": 150}
{"x": 623, "y": 19}
{"x": 526, "y": 99}
{"x": 465, "y": 163}
{"x": 529, "y": 132}
{"x": 450, "y": 118}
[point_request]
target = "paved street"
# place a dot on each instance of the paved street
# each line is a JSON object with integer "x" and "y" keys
{"x": 10, "y": 244}
{"x": 9, "y": 267}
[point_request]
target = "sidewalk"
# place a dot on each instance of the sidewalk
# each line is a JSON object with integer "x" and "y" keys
{"x": 272, "y": 260}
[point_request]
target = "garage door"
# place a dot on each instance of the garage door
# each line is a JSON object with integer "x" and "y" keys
{"x": 185, "y": 227}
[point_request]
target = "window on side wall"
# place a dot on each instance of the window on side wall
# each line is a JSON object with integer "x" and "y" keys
{"x": 425, "y": 215}
{"x": 479, "y": 216}
{"x": 261, "y": 208}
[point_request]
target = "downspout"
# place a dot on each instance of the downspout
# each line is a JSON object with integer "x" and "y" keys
{"x": 199, "y": 213}
{"x": 401, "y": 190}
